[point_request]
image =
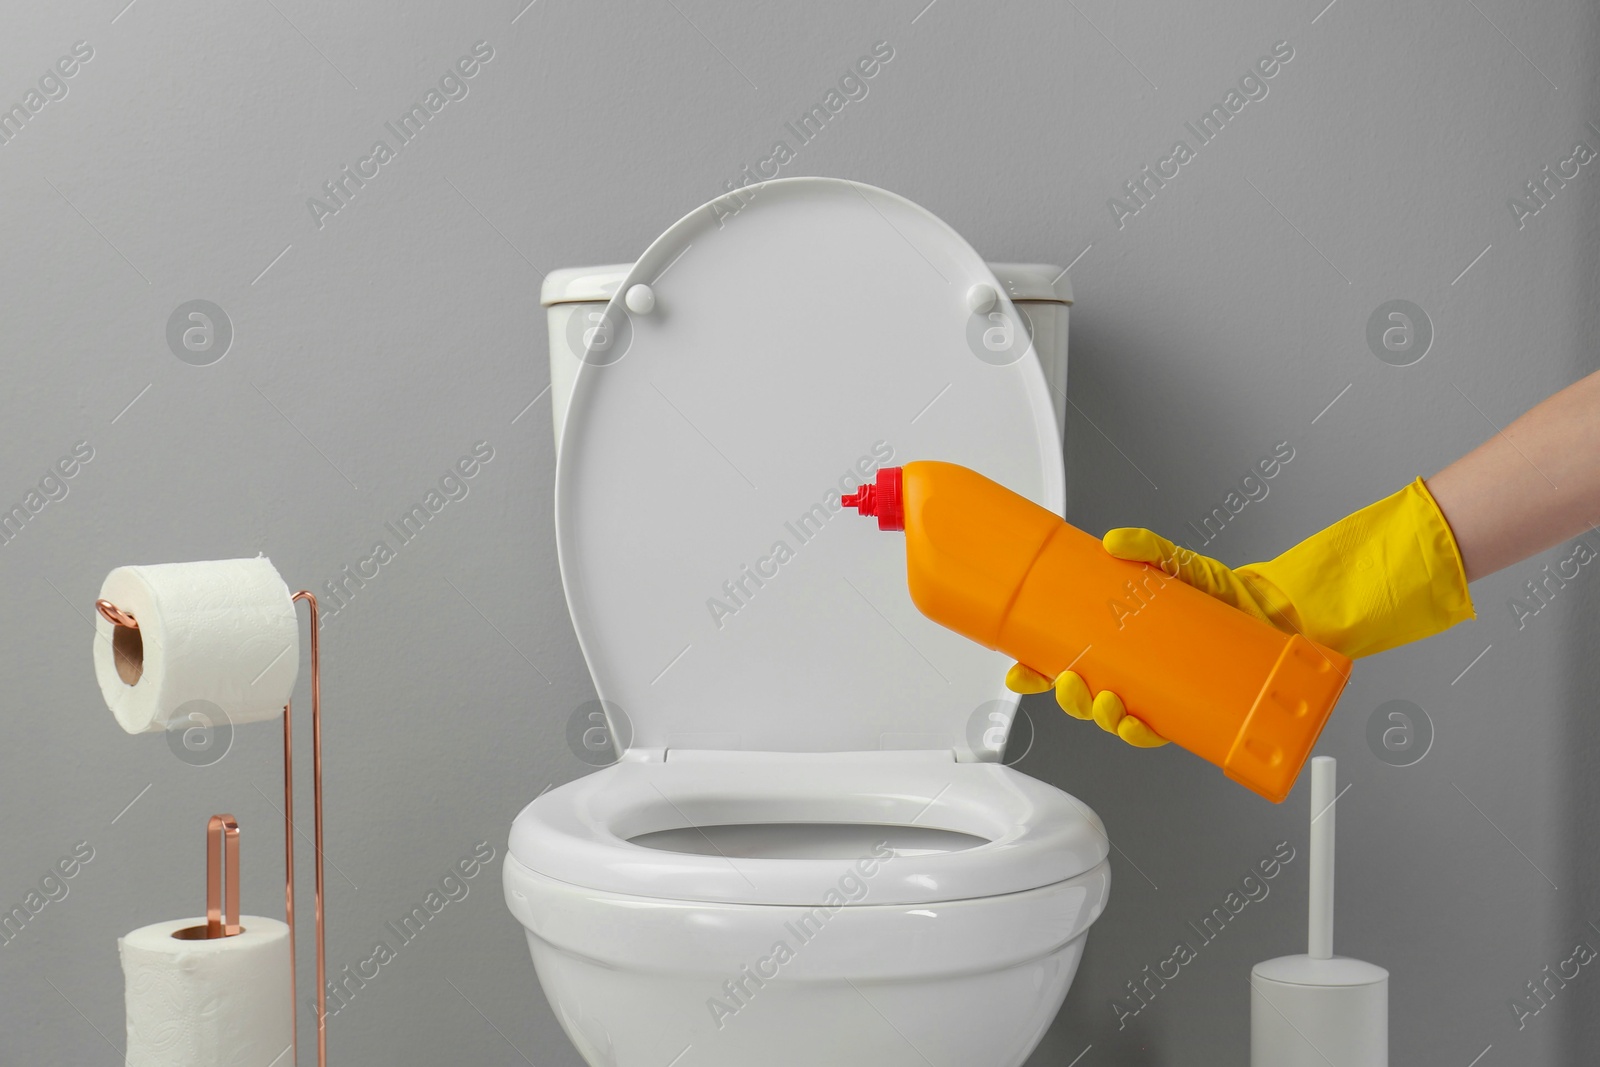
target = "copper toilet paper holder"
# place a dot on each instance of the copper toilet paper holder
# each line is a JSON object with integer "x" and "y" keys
{"x": 222, "y": 917}
{"x": 222, "y": 838}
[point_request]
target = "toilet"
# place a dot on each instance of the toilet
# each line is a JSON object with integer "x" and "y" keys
{"x": 805, "y": 847}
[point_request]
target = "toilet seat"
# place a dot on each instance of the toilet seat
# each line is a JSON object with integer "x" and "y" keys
{"x": 1033, "y": 834}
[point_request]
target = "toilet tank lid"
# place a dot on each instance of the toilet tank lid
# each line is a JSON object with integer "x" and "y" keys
{"x": 580, "y": 285}
{"x": 1023, "y": 282}
{"x": 1034, "y": 282}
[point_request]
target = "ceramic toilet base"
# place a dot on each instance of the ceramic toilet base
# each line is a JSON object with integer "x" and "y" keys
{"x": 780, "y": 986}
{"x": 787, "y": 1023}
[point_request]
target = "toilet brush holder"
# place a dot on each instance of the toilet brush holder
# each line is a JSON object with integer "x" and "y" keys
{"x": 1318, "y": 1009}
{"x": 221, "y": 837}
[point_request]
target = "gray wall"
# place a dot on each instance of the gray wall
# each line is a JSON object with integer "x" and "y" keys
{"x": 370, "y": 353}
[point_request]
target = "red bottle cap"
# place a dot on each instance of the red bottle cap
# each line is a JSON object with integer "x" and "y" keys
{"x": 885, "y": 499}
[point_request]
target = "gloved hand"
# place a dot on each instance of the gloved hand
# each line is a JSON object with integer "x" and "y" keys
{"x": 1385, "y": 576}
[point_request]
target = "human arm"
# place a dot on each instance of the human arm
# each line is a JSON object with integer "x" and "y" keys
{"x": 1530, "y": 486}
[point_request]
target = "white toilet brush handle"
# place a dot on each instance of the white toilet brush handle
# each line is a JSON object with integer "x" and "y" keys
{"x": 1324, "y": 776}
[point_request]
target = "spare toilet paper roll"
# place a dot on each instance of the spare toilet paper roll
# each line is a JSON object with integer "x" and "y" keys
{"x": 206, "y": 1003}
{"x": 222, "y": 631}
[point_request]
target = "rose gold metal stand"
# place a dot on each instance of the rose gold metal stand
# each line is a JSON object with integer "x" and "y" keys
{"x": 221, "y": 830}
{"x": 224, "y": 831}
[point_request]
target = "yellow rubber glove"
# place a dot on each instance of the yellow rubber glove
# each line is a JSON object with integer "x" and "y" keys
{"x": 1385, "y": 576}
{"x": 1073, "y": 695}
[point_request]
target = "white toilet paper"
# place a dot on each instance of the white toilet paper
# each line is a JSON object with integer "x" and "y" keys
{"x": 222, "y": 631}
{"x": 218, "y": 1003}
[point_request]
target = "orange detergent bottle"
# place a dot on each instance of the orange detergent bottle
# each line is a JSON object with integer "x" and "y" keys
{"x": 1011, "y": 575}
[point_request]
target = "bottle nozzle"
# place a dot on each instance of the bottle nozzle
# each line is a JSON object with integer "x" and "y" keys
{"x": 883, "y": 498}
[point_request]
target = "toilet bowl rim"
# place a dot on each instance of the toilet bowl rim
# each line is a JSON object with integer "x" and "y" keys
{"x": 869, "y": 941}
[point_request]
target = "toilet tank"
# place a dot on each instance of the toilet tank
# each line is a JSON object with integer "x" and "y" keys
{"x": 574, "y": 297}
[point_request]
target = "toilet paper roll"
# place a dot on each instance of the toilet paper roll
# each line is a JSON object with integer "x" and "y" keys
{"x": 208, "y": 1003}
{"x": 222, "y": 631}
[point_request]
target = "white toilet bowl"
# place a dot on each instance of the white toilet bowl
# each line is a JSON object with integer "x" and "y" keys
{"x": 807, "y": 853}
{"x": 795, "y": 942}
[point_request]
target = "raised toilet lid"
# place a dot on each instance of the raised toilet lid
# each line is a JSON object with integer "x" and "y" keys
{"x": 721, "y": 595}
